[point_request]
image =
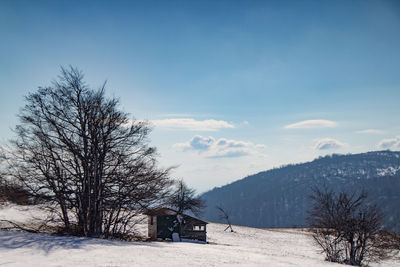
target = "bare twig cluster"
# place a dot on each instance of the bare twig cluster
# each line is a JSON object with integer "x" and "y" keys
{"x": 224, "y": 215}
{"x": 347, "y": 229}
{"x": 184, "y": 198}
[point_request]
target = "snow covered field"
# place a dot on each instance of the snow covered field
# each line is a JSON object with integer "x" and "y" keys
{"x": 245, "y": 247}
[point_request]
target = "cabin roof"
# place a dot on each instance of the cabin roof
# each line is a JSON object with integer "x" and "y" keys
{"x": 167, "y": 211}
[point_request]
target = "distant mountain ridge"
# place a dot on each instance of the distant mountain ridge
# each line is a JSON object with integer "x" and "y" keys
{"x": 280, "y": 197}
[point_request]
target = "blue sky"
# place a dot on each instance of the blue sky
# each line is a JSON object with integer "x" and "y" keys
{"x": 231, "y": 87}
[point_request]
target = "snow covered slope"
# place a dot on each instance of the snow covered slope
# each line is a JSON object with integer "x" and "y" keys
{"x": 245, "y": 247}
{"x": 280, "y": 197}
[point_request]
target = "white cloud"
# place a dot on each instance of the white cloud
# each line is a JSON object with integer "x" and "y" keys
{"x": 260, "y": 146}
{"x": 392, "y": 143}
{"x": 192, "y": 124}
{"x": 210, "y": 147}
{"x": 311, "y": 124}
{"x": 370, "y": 131}
{"x": 327, "y": 143}
{"x": 200, "y": 142}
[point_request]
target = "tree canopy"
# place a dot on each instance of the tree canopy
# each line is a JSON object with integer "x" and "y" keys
{"x": 184, "y": 198}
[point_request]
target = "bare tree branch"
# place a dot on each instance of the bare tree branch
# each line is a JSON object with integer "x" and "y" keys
{"x": 225, "y": 216}
{"x": 76, "y": 149}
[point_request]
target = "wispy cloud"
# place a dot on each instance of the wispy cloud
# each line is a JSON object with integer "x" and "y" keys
{"x": 391, "y": 143}
{"x": 210, "y": 147}
{"x": 192, "y": 124}
{"x": 327, "y": 143}
{"x": 185, "y": 115}
{"x": 370, "y": 131}
{"x": 312, "y": 124}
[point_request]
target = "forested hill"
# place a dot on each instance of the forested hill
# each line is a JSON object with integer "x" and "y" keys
{"x": 280, "y": 197}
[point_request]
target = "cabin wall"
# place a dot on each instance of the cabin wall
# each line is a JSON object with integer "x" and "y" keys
{"x": 195, "y": 235}
{"x": 191, "y": 230}
{"x": 152, "y": 227}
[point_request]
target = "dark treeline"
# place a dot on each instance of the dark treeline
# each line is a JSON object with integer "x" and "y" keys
{"x": 280, "y": 197}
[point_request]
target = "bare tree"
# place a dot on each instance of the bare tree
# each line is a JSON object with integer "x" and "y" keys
{"x": 347, "y": 228}
{"x": 184, "y": 198}
{"x": 225, "y": 216}
{"x": 75, "y": 148}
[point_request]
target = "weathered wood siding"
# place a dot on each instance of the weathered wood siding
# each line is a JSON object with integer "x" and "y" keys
{"x": 189, "y": 227}
{"x": 193, "y": 229}
{"x": 152, "y": 227}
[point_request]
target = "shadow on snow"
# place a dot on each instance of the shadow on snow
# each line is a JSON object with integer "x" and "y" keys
{"x": 48, "y": 243}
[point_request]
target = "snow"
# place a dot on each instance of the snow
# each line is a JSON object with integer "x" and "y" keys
{"x": 244, "y": 247}
{"x": 391, "y": 171}
{"x": 17, "y": 213}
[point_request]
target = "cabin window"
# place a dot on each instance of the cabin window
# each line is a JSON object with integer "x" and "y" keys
{"x": 198, "y": 228}
{"x": 151, "y": 220}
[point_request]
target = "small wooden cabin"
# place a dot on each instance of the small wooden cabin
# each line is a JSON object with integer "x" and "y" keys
{"x": 163, "y": 222}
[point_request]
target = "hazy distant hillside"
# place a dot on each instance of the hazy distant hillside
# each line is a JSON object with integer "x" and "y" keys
{"x": 279, "y": 197}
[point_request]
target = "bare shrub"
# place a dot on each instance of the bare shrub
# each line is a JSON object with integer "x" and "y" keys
{"x": 15, "y": 193}
{"x": 348, "y": 228}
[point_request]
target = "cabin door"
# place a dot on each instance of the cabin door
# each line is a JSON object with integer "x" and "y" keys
{"x": 166, "y": 225}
